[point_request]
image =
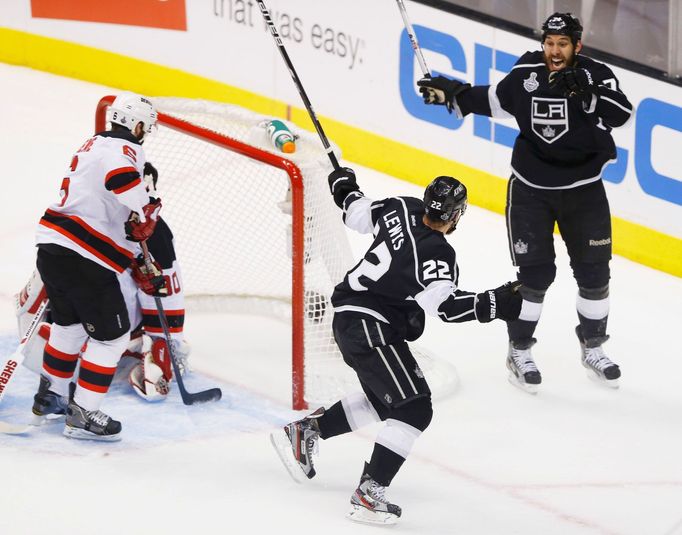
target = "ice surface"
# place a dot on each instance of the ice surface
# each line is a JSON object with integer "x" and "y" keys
{"x": 576, "y": 459}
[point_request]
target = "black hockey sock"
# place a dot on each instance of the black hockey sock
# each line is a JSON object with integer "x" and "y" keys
{"x": 521, "y": 332}
{"x": 384, "y": 465}
{"x": 333, "y": 422}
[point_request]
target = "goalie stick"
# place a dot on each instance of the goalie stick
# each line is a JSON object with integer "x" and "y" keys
{"x": 12, "y": 363}
{"x": 299, "y": 84}
{"x": 413, "y": 39}
{"x": 188, "y": 398}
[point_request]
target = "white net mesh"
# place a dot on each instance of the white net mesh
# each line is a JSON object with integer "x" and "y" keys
{"x": 231, "y": 217}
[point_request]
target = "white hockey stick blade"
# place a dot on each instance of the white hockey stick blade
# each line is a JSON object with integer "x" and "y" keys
{"x": 363, "y": 515}
{"x": 7, "y": 428}
{"x": 280, "y": 441}
{"x": 525, "y": 387}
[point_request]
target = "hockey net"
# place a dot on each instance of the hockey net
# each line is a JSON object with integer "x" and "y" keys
{"x": 270, "y": 241}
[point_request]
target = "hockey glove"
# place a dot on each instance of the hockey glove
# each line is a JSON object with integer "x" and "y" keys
{"x": 441, "y": 90}
{"x": 571, "y": 82}
{"x": 150, "y": 281}
{"x": 503, "y": 302}
{"x": 151, "y": 175}
{"x": 138, "y": 231}
{"x": 341, "y": 183}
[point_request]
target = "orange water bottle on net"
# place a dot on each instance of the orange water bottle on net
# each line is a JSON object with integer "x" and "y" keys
{"x": 281, "y": 136}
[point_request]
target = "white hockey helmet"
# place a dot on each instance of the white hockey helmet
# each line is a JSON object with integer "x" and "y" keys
{"x": 129, "y": 109}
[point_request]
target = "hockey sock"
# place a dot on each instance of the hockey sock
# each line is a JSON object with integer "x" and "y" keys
{"x": 393, "y": 444}
{"x": 521, "y": 330}
{"x": 60, "y": 356}
{"x": 98, "y": 366}
{"x": 593, "y": 312}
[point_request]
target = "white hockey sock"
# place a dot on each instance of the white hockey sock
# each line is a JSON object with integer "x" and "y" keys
{"x": 359, "y": 411}
{"x": 61, "y": 355}
{"x": 398, "y": 437}
{"x": 98, "y": 366}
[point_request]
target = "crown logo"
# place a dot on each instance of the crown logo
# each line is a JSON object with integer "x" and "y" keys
{"x": 548, "y": 132}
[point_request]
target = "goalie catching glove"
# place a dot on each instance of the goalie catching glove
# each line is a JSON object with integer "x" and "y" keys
{"x": 441, "y": 90}
{"x": 503, "y": 302}
{"x": 150, "y": 280}
{"x": 151, "y": 378}
{"x": 138, "y": 230}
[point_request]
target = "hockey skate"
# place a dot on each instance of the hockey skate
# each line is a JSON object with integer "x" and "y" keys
{"x": 48, "y": 405}
{"x": 90, "y": 425}
{"x": 599, "y": 367}
{"x": 369, "y": 505}
{"x": 297, "y": 443}
{"x": 523, "y": 373}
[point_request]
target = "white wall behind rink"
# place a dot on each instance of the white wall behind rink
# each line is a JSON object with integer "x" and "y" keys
{"x": 349, "y": 56}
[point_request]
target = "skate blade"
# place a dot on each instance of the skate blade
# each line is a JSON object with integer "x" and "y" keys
{"x": 280, "y": 441}
{"x": 525, "y": 387}
{"x": 82, "y": 434}
{"x": 361, "y": 514}
{"x": 596, "y": 378}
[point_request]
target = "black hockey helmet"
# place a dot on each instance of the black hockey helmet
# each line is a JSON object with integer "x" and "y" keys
{"x": 445, "y": 199}
{"x": 563, "y": 24}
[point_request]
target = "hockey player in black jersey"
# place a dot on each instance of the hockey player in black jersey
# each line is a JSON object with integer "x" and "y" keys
{"x": 565, "y": 105}
{"x": 409, "y": 270}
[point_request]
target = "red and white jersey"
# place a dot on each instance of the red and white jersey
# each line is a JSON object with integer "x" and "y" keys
{"x": 100, "y": 188}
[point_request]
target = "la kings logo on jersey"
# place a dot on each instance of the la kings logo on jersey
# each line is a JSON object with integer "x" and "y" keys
{"x": 549, "y": 117}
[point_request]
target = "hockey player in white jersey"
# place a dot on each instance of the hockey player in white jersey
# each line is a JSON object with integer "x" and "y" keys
{"x": 84, "y": 242}
{"x": 146, "y": 362}
{"x": 410, "y": 269}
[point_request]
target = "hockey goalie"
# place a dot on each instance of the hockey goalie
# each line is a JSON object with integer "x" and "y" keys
{"x": 146, "y": 363}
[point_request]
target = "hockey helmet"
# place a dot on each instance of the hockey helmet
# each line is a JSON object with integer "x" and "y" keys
{"x": 563, "y": 24}
{"x": 445, "y": 199}
{"x": 129, "y": 109}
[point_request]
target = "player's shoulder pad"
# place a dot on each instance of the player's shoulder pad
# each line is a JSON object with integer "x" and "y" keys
{"x": 598, "y": 69}
{"x": 530, "y": 60}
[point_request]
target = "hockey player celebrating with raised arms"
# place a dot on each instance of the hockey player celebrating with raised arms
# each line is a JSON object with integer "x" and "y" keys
{"x": 565, "y": 105}
{"x": 409, "y": 270}
{"x": 84, "y": 242}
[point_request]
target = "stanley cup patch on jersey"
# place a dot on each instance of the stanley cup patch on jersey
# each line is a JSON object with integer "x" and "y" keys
{"x": 531, "y": 83}
{"x": 549, "y": 117}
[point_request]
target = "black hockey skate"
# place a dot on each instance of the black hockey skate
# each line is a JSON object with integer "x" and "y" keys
{"x": 369, "y": 505}
{"x": 47, "y": 403}
{"x": 523, "y": 373}
{"x": 90, "y": 425}
{"x": 297, "y": 444}
{"x": 599, "y": 366}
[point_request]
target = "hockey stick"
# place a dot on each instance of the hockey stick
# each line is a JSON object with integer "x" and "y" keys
{"x": 299, "y": 84}
{"x": 12, "y": 363}
{"x": 413, "y": 40}
{"x": 188, "y": 398}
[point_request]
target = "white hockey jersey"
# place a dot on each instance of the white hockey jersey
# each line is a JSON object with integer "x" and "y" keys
{"x": 100, "y": 188}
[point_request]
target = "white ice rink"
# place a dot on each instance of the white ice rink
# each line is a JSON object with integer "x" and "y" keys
{"x": 576, "y": 459}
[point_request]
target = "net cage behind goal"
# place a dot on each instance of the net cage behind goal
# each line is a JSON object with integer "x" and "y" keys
{"x": 258, "y": 233}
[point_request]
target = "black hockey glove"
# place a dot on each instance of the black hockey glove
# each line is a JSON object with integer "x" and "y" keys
{"x": 571, "y": 82}
{"x": 441, "y": 90}
{"x": 341, "y": 183}
{"x": 150, "y": 171}
{"x": 503, "y": 302}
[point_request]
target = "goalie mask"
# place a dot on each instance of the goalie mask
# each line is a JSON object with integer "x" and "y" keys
{"x": 129, "y": 109}
{"x": 563, "y": 24}
{"x": 445, "y": 199}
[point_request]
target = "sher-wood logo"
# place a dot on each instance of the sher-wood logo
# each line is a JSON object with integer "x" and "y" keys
{"x": 6, "y": 373}
{"x": 549, "y": 117}
{"x": 166, "y": 14}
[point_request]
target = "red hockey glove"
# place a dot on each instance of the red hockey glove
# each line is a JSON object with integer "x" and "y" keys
{"x": 150, "y": 282}
{"x": 138, "y": 231}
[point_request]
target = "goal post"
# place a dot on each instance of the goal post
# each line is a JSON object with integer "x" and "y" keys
{"x": 258, "y": 233}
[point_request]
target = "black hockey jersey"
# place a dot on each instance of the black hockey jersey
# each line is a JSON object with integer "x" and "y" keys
{"x": 408, "y": 269}
{"x": 563, "y": 142}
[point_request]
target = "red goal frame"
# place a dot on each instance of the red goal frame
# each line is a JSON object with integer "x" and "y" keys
{"x": 297, "y": 238}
